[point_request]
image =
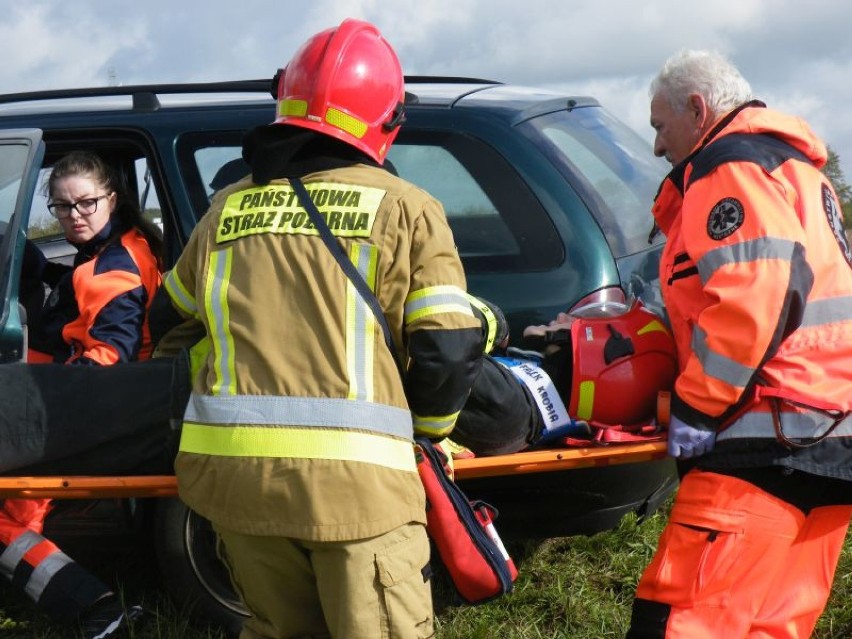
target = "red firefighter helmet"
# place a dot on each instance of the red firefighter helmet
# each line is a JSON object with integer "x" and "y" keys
{"x": 345, "y": 82}
{"x": 623, "y": 356}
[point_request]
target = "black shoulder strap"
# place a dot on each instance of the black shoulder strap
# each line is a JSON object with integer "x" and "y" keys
{"x": 346, "y": 264}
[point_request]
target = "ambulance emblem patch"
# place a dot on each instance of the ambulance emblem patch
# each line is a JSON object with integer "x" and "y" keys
{"x": 725, "y": 218}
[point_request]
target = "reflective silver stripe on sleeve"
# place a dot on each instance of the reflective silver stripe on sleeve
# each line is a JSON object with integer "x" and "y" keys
{"x": 794, "y": 425}
{"x": 436, "y": 299}
{"x": 763, "y": 248}
{"x": 44, "y": 572}
{"x": 827, "y": 311}
{"x": 330, "y": 412}
{"x": 716, "y": 365}
{"x": 15, "y": 551}
{"x": 436, "y": 426}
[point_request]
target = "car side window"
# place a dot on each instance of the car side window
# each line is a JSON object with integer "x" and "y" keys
{"x": 478, "y": 228}
{"x": 497, "y": 223}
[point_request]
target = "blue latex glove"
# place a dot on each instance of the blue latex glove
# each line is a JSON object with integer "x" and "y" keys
{"x": 686, "y": 441}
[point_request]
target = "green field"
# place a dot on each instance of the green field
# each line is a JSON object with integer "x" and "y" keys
{"x": 568, "y": 588}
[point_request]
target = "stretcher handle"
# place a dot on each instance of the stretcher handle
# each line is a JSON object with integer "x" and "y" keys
{"x": 535, "y": 461}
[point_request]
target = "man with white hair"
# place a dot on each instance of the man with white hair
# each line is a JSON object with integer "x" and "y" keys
{"x": 757, "y": 281}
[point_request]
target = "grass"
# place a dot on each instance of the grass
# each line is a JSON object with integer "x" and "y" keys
{"x": 568, "y": 588}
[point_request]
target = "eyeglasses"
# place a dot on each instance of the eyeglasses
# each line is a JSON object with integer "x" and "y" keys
{"x": 86, "y": 206}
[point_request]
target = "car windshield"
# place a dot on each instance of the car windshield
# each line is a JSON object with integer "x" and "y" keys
{"x": 612, "y": 167}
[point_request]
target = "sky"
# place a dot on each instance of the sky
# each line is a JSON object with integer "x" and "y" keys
{"x": 796, "y": 55}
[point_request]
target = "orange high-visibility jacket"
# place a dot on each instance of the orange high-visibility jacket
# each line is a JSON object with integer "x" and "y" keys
{"x": 98, "y": 314}
{"x": 757, "y": 281}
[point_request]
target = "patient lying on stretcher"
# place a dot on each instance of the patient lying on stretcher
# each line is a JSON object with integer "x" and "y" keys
{"x": 602, "y": 365}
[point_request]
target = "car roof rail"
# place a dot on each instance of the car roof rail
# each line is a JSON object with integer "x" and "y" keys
{"x": 144, "y": 95}
{"x": 440, "y": 79}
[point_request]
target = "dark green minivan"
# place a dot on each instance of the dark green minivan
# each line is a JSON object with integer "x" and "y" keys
{"x": 548, "y": 196}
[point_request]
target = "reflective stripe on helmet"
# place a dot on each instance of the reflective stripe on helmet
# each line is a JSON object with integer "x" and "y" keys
{"x": 345, "y": 122}
{"x": 490, "y": 320}
{"x": 434, "y": 300}
{"x": 298, "y": 443}
{"x": 585, "y": 399}
{"x": 650, "y": 327}
{"x": 292, "y": 108}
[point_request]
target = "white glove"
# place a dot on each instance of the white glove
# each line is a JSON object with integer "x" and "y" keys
{"x": 685, "y": 441}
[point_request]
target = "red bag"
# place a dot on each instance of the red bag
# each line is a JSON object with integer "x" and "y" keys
{"x": 463, "y": 532}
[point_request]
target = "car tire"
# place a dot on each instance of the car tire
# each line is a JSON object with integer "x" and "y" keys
{"x": 196, "y": 579}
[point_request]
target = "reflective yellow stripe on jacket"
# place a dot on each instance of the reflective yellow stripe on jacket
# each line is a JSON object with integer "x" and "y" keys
{"x": 218, "y": 322}
{"x": 361, "y": 325}
{"x": 298, "y": 427}
{"x": 420, "y": 305}
{"x": 179, "y": 294}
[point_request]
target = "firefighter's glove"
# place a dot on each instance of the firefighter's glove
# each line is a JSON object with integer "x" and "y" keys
{"x": 686, "y": 441}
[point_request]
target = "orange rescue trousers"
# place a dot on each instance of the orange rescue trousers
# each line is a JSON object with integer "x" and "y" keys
{"x": 735, "y": 561}
{"x": 60, "y": 586}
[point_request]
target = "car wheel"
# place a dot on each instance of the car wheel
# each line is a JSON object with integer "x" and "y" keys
{"x": 195, "y": 577}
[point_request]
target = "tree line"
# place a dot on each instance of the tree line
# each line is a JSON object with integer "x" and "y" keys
{"x": 834, "y": 173}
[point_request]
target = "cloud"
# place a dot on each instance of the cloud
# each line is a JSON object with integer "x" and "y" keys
{"x": 46, "y": 45}
{"x": 797, "y": 57}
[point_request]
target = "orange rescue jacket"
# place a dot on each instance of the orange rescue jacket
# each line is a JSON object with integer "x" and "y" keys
{"x": 757, "y": 281}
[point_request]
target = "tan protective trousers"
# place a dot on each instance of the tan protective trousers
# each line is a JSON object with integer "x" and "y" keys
{"x": 366, "y": 588}
{"x": 735, "y": 561}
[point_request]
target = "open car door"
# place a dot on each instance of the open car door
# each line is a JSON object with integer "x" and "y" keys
{"x": 21, "y": 156}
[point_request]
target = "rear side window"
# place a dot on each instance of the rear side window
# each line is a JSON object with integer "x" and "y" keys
{"x": 611, "y": 166}
{"x": 497, "y": 223}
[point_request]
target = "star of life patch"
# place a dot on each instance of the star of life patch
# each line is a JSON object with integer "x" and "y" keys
{"x": 725, "y": 218}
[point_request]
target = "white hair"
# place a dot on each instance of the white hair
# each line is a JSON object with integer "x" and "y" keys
{"x": 707, "y": 73}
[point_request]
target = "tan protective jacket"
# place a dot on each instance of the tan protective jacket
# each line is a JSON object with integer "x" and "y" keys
{"x": 298, "y": 424}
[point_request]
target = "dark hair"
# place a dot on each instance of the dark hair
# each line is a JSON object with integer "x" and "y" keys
{"x": 127, "y": 212}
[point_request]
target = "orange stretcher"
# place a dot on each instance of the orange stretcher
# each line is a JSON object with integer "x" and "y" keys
{"x": 538, "y": 461}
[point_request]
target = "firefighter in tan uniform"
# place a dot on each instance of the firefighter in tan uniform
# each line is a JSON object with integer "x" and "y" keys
{"x": 757, "y": 281}
{"x": 297, "y": 440}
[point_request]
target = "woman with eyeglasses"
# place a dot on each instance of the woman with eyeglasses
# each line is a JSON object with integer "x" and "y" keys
{"x": 97, "y": 312}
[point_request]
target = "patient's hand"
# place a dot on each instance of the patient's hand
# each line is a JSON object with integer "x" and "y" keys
{"x": 562, "y": 322}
